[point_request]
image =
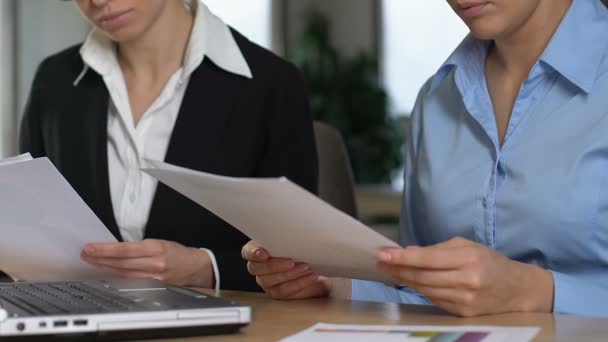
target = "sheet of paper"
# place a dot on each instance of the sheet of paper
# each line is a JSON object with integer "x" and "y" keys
{"x": 285, "y": 219}
{"x": 17, "y": 159}
{"x": 399, "y": 333}
{"x": 44, "y": 225}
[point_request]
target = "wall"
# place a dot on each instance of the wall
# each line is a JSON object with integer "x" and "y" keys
{"x": 3, "y": 82}
{"x": 421, "y": 37}
{"x": 7, "y": 118}
{"x": 253, "y": 18}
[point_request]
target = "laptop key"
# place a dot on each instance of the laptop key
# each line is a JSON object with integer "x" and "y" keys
{"x": 70, "y": 298}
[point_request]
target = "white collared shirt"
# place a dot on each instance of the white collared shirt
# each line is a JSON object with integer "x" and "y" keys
{"x": 131, "y": 190}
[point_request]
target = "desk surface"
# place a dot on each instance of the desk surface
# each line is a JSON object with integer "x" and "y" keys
{"x": 273, "y": 320}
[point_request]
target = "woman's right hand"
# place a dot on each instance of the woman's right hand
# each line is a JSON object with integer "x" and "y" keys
{"x": 284, "y": 278}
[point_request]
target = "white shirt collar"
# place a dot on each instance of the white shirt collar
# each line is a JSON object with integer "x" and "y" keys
{"x": 210, "y": 37}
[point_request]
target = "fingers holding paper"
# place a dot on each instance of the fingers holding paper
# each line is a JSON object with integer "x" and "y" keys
{"x": 166, "y": 261}
{"x": 254, "y": 252}
{"x": 469, "y": 279}
{"x": 283, "y": 278}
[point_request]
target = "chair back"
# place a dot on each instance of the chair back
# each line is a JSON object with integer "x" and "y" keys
{"x": 336, "y": 181}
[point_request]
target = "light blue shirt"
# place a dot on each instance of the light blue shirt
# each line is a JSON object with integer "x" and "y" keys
{"x": 541, "y": 198}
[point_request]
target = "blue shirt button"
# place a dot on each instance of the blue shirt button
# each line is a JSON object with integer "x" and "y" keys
{"x": 501, "y": 168}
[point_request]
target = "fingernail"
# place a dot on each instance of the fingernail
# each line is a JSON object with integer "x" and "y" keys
{"x": 260, "y": 253}
{"x": 302, "y": 268}
{"x": 89, "y": 249}
{"x": 385, "y": 256}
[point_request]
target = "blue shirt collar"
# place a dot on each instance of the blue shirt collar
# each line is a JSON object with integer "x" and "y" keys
{"x": 469, "y": 57}
{"x": 576, "y": 50}
{"x": 580, "y": 43}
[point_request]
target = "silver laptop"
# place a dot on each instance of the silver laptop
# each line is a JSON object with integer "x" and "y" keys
{"x": 113, "y": 310}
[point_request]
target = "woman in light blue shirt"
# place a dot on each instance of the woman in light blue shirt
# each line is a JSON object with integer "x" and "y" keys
{"x": 506, "y": 179}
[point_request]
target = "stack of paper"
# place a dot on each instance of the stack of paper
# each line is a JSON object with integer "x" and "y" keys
{"x": 44, "y": 224}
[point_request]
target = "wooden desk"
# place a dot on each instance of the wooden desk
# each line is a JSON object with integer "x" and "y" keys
{"x": 273, "y": 320}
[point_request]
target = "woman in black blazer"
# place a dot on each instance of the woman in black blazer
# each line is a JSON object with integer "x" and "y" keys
{"x": 166, "y": 79}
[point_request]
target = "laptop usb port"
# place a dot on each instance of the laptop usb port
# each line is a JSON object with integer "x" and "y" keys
{"x": 60, "y": 324}
{"x": 80, "y": 322}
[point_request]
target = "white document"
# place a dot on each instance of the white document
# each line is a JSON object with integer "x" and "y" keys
{"x": 284, "y": 218}
{"x": 44, "y": 225}
{"x": 401, "y": 333}
{"x": 17, "y": 159}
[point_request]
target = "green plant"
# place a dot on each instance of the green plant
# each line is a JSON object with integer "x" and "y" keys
{"x": 346, "y": 93}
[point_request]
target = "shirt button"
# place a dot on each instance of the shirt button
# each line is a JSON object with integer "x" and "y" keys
{"x": 484, "y": 202}
{"x": 132, "y": 197}
{"x": 501, "y": 168}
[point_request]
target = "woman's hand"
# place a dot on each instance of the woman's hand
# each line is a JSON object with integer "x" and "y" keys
{"x": 283, "y": 278}
{"x": 166, "y": 261}
{"x": 469, "y": 279}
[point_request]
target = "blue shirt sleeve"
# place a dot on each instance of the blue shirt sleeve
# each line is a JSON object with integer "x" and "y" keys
{"x": 378, "y": 292}
{"x": 580, "y": 294}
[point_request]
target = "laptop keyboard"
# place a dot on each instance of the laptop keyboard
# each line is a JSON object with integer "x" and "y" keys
{"x": 65, "y": 298}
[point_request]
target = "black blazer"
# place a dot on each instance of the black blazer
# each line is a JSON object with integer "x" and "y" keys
{"x": 227, "y": 125}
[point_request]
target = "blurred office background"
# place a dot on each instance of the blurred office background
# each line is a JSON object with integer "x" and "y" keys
{"x": 364, "y": 61}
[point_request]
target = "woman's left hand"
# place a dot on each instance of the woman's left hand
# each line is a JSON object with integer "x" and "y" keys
{"x": 166, "y": 261}
{"x": 469, "y": 279}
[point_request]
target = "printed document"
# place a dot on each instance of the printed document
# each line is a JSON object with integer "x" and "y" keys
{"x": 401, "y": 333}
{"x": 284, "y": 218}
{"x": 44, "y": 224}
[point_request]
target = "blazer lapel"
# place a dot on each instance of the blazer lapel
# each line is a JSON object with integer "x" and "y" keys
{"x": 91, "y": 118}
{"x": 197, "y": 138}
{"x": 204, "y": 117}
